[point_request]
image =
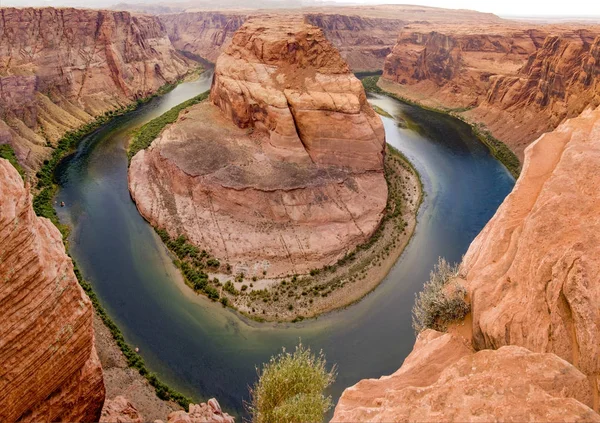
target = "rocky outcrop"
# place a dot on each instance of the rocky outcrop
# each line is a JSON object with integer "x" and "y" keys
{"x": 50, "y": 370}
{"x": 209, "y": 412}
{"x": 532, "y": 272}
{"x": 517, "y": 81}
{"x": 531, "y": 277}
{"x": 290, "y": 136}
{"x": 120, "y": 410}
{"x": 60, "y": 68}
{"x": 443, "y": 380}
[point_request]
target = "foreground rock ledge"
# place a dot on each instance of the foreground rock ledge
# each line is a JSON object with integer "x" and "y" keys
{"x": 50, "y": 370}
{"x": 282, "y": 171}
{"x": 532, "y": 276}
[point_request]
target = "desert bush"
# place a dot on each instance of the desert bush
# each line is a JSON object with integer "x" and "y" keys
{"x": 7, "y": 152}
{"x": 440, "y": 303}
{"x": 290, "y": 388}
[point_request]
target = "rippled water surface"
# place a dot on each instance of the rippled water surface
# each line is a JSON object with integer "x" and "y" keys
{"x": 205, "y": 350}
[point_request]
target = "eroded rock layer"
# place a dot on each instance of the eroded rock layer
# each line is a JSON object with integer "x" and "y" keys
{"x": 284, "y": 172}
{"x": 518, "y": 81}
{"x": 532, "y": 279}
{"x": 49, "y": 369}
{"x": 60, "y": 68}
{"x": 444, "y": 380}
{"x": 364, "y": 36}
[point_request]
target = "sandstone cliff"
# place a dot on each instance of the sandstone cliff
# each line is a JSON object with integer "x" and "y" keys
{"x": 60, "y": 68}
{"x": 205, "y": 34}
{"x": 50, "y": 370}
{"x": 364, "y": 36}
{"x": 290, "y": 136}
{"x": 363, "y": 42}
{"x": 518, "y": 81}
{"x": 121, "y": 410}
{"x": 532, "y": 279}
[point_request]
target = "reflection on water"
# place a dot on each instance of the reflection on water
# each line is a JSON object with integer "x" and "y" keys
{"x": 205, "y": 350}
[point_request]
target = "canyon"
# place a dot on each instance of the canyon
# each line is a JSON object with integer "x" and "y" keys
{"x": 514, "y": 80}
{"x": 288, "y": 133}
{"x": 61, "y": 68}
{"x": 531, "y": 280}
{"x": 262, "y": 144}
{"x": 364, "y": 36}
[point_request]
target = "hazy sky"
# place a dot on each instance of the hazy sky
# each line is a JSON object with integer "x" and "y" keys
{"x": 567, "y": 8}
{"x": 582, "y": 8}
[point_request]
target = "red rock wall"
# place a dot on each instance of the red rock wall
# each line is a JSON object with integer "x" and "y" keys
{"x": 518, "y": 82}
{"x": 363, "y": 42}
{"x": 61, "y": 67}
{"x": 49, "y": 370}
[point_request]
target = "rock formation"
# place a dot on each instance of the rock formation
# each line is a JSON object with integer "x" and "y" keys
{"x": 443, "y": 380}
{"x": 518, "y": 80}
{"x": 532, "y": 279}
{"x": 364, "y": 36}
{"x": 50, "y": 370}
{"x": 291, "y": 139}
{"x": 205, "y": 34}
{"x": 60, "y": 68}
{"x": 120, "y": 410}
{"x": 209, "y": 412}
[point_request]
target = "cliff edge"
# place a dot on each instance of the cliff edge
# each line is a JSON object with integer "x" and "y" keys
{"x": 532, "y": 279}
{"x": 50, "y": 370}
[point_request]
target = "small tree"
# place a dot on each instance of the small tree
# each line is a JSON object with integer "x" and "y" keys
{"x": 440, "y": 303}
{"x": 290, "y": 388}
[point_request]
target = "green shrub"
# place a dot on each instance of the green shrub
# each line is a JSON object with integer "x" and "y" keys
{"x": 440, "y": 303}
{"x": 370, "y": 84}
{"x": 147, "y": 133}
{"x": 7, "y": 152}
{"x": 290, "y": 388}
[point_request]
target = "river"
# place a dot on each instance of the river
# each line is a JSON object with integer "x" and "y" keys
{"x": 204, "y": 350}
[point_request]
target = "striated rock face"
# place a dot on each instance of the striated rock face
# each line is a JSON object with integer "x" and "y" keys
{"x": 517, "y": 81}
{"x": 291, "y": 138}
{"x": 59, "y": 68}
{"x": 203, "y": 413}
{"x": 532, "y": 272}
{"x": 50, "y": 370}
{"x": 362, "y": 41}
{"x": 531, "y": 276}
{"x": 204, "y": 34}
{"x": 559, "y": 81}
{"x": 287, "y": 80}
{"x": 120, "y": 410}
{"x": 364, "y": 35}
{"x": 456, "y": 63}
{"x": 443, "y": 380}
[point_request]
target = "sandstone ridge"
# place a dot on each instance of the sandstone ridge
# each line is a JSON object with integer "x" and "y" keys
{"x": 289, "y": 136}
{"x": 531, "y": 276}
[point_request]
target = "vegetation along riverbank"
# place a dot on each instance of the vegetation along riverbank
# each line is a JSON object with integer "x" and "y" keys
{"x": 296, "y": 297}
{"x": 43, "y": 203}
{"x": 498, "y": 149}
